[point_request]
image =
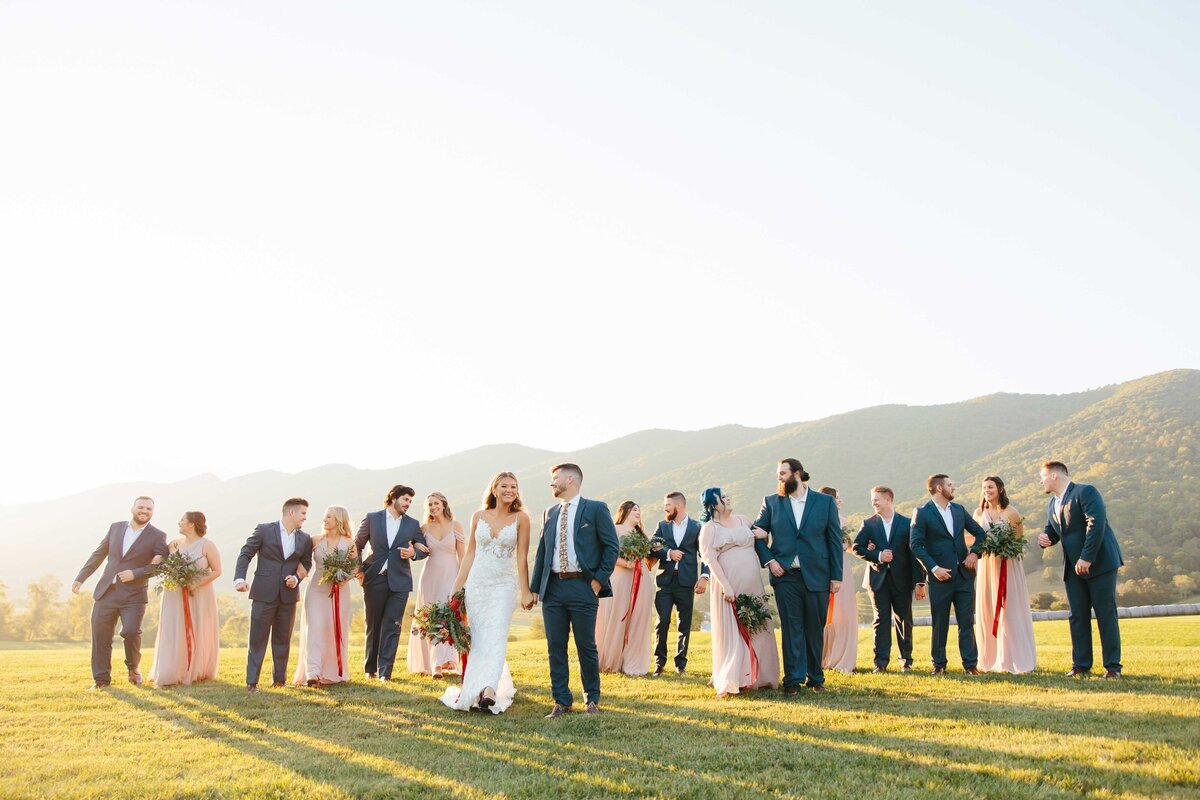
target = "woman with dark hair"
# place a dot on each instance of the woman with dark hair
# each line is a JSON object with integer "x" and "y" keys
{"x": 623, "y": 621}
{"x": 741, "y": 661}
{"x": 1003, "y": 625}
{"x": 446, "y": 542}
{"x": 841, "y": 625}
{"x": 189, "y": 644}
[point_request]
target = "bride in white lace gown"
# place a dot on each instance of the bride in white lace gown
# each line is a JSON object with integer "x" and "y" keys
{"x": 494, "y": 568}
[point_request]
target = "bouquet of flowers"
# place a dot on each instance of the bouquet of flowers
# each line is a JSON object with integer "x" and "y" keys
{"x": 847, "y": 536}
{"x": 176, "y": 571}
{"x": 635, "y": 546}
{"x": 444, "y": 623}
{"x": 338, "y": 566}
{"x": 1002, "y": 541}
{"x": 753, "y": 611}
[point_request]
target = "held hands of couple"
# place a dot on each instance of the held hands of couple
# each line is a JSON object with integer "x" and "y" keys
{"x": 528, "y": 600}
{"x": 291, "y": 581}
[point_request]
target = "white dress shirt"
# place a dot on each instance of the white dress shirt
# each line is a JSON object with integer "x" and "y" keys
{"x": 287, "y": 540}
{"x": 393, "y": 529}
{"x": 887, "y": 528}
{"x": 679, "y": 530}
{"x": 131, "y": 536}
{"x": 947, "y": 517}
{"x": 572, "y": 508}
{"x": 798, "y": 512}
{"x": 1058, "y": 500}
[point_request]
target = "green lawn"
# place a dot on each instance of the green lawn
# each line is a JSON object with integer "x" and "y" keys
{"x": 883, "y": 736}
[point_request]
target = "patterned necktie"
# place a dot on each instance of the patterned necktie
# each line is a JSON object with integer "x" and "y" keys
{"x": 562, "y": 537}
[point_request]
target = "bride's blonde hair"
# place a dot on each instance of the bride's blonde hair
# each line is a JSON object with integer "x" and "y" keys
{"x": 342, "y": 517}
{"x": 489, "y": 499}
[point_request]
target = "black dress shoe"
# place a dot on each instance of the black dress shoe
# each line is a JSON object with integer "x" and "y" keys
{"x": 1112, "y": 673}
{"x": 788, "y": 691}
{"x": 681, "y": 670}
{"x": 592, "y": 708}
{"x": 879, "y": 670}
{"x": 1078, "y": 672}
{"x": 907, "y": 667}
{"x": 818, "y": 687}
{"x": 938, "y": 671}
{"x": 559, "y": 710}
{"x": 278, "y": 685}
{"x": 658, "y": 671}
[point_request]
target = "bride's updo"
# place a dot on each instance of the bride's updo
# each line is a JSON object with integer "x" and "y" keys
{"x": 489, "y": 499}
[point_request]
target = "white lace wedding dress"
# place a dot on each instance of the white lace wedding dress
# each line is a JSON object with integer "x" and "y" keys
{"x": 491, "y": 589}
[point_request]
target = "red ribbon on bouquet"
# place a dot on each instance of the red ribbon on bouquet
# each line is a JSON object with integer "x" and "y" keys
{"x": 829, "y": 614}
{"x": 633, "y": 595}
{"x": 753, "y": 655}
{"x": 1000, "y": 596}
{"x": 189, "y": 632}
{"x": 337, "y": 624}
{"x": 457, "y": 608}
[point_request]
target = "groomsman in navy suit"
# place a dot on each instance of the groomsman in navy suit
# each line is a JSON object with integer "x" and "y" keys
{"x": 575, "y": 558}
{"x": 805, "y": 560}
{"x": 396, "y": 541}
{"x": 882, "y": 542}
{"x": 938, "y": 541}
{"x": 678, "y": 581}
{"x": 1091, "y": 556}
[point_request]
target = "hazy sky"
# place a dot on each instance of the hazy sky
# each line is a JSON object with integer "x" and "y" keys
{"x": 239, "y": 236}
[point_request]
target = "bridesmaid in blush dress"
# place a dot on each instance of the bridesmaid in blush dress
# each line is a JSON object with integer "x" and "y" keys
{"x": 446, "y": 543}
{"x": 841, "y": 633}
{"x": 1011, "y": 647}
{"x": 727, "y": 546}
{"x": 177, "y": 660}
{"x": 623, "y": 621}
{"x": 321, "y": 648}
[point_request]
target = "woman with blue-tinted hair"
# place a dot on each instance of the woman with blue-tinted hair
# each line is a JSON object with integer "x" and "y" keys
{"x": 741, "y": 661}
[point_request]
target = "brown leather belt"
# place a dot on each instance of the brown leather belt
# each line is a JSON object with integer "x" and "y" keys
{"x": 565, "y": 575}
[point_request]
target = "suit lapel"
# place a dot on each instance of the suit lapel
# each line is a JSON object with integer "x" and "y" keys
{"x": 881, "y": 537}
{"x": 808, "y": 503}
{"x": 1062, "y": 510}
{"x": 937, "y": 515}
{"x": 786, "y": 501}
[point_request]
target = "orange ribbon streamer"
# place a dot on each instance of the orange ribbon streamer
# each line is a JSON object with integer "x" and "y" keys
{"x": 829, "y": 614}
{"x": 1000, "y": 597}
{"x": 753, "y": 655}
{"x": 633, "y": 596}
{"x": 337, "y": 625}
{"x": 188, "y": 632}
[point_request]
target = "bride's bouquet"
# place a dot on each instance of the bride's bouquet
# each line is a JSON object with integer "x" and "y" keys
{"x": 1002, "y": 541}
{"x": 635, "y": 546}
{"x": 444, "y": 623}
{"x": 753, "y": 611}
{"x": 176, "y": 571}
{"x": 338, "y": 566}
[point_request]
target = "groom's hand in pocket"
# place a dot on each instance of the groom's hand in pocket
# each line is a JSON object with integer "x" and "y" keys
{"x": 595, "y": 587}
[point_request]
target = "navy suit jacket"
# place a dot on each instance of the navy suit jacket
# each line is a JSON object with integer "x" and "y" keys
{"x": 1084, "y": 531}
{"x": 596, "y": 545}
{"x": 816, "y": 539}
{"x": 935, "y": 546}
{"x": 152, "y": 542}
{"x": 690, "y": 547}
{"x": 273, "y": 569}
{"x": 374, "y": 530}
{"x": 901, "y": 567}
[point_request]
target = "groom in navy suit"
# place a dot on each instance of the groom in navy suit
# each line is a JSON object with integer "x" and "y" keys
{"x": 1077, "y": 517}
{"x": 679, "y": 580}
{"x": 938, "y": 542}
{"x": 805, "y": 561}
{"x": 575, "y": 558}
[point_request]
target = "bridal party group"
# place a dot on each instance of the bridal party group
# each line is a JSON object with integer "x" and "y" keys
{"x": 616, "y": 586}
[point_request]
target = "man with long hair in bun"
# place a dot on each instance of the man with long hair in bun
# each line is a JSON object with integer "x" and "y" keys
{"x": 804, "y": 557}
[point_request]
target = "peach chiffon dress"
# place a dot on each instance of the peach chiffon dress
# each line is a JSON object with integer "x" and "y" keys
{"x": 318, "y": 636}
{"x": 171, "y": 664}
{"x": 624, "y": 621}
{"x": 1012, "y": 648}
{"x": 729, "y": 553}
{"x": 437, "y": 579}
{"x": 841, "y": 635}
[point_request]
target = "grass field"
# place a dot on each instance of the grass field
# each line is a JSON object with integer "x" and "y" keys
{"x": 896, "y": 735}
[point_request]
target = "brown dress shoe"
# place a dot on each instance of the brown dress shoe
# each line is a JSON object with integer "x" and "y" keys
{"x": 818, "y": 687}
{"x": 592, "y": 708}
{"x": 1112, "y": 674}
{"x": 658, "y": 671}
{"x": 879, "y": 670}
{"x": 788, "y": 691}
{"x": 559, "y": 710}
{"x": 971, "y": 670}
{"x": 135, "y": 677}
{"x": 906, "y": 668}
{"x": 938, "y": 671}
{"x": 1077, "y": 672}
{"x": 251, "y": 689}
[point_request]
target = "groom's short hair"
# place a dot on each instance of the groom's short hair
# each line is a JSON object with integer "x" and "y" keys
{"x": 1057, "y": 466}
{"x": 572, "y": 469}
{"x": 678, "y": 497}
{"x": 936, "y": 482}
{"x": 293, "y": 502}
